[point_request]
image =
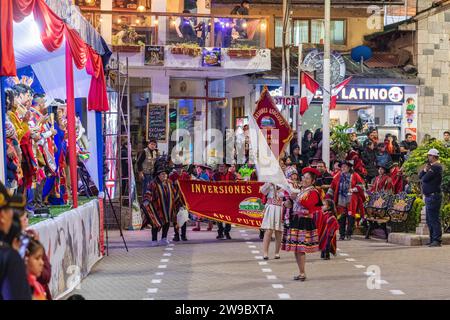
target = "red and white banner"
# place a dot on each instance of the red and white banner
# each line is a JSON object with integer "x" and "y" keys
{"x": 336, "y": 90}
{"x": 273, "y": 125}
{"x": 309, "y": 87}
{"x": 238, "y": 203}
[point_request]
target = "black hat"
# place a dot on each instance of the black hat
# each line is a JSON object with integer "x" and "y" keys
{"x": 8, "y": 201}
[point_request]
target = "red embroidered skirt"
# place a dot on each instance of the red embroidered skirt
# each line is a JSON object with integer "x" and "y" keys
{"x": 301, "y": 236}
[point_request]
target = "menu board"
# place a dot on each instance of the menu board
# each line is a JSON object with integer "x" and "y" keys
{"x": 157, "y": 122}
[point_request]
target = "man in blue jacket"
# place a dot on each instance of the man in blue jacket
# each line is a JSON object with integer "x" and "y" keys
{"x": 431, "y": 178}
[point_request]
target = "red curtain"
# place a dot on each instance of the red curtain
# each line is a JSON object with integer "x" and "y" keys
{"x": 53, "y": 31}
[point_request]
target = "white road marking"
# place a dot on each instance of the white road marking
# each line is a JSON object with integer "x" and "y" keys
{"x": 156, "y": 280}
{"x": 359, "y": 266}
{"x": 271, "y": 277}
{"x": 171, "y": 245}
{"x": 350, "y": 259}
{"x": 258, "y": 257}
{"x": 148, "y": 298}
{"x": 249, "y": 242}
{"x": 242, "y": 231}
{"x": 343, "y": 254}
{"x": 152, "y": 290}
{"x": 162, "y": 266}
{"x": 277, "y": 286}
{"x": 266, "y": 270}
{"x": 262, "y": 263}
{"x": 284, "y": 296}
{"x": 381, "y": 282}
{"x": 168, "y": 249}
{"x": 252, "y": 247}
{"x": 159, "y": 273}
{"x": 255, "y": 251}
{"x": 397, "y": 292}
{"x": 164, "y": 260}
{"x": 338, "y": 249}
{"x": 167, "y": 254}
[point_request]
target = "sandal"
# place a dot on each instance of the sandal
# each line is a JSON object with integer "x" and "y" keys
{"x": 300, "y": 278}
{"x": 266, "y": 258}
{"x": 277, "y": 256}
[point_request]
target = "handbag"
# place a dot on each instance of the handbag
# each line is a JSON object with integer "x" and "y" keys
{"x": 182, "y": 216}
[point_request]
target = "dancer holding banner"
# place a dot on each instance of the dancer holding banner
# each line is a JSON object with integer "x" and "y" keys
{"x": 273, "y": 217}
{"x": 160, "y": 205}
{"x": 301, "y": 236}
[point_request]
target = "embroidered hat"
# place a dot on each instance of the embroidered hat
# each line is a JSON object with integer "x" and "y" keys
{"x": 290, "y": 171}
{"x": 314, "y": 171}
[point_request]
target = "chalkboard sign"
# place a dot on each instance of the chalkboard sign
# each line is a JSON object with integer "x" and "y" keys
{"x": 157, "y": 122}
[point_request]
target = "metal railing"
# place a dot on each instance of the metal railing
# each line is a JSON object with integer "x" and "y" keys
{"x": 132, "y": 28}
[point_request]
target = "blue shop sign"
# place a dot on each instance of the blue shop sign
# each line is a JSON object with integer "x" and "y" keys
{"x": 368, "y": 94}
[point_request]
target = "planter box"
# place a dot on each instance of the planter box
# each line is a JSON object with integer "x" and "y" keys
{"x": 193, "y": 52}
{"x": 241, "y": 53}
{"x": 126, "y": 48}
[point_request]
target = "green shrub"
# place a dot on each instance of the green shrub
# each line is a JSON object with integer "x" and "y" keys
{"x": 414, "y": 216}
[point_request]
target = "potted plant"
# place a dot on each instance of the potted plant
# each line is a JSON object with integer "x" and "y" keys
{"x": 242, "y": 52}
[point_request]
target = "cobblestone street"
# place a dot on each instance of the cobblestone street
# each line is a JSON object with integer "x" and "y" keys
{"x": 206, "y": 268}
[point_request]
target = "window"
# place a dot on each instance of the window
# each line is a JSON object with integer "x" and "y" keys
{"x": 311, "y": 31}
{"x": 301, "y": 32}
{"x": 337, "y": 31}
{"x": 238, "y": 105}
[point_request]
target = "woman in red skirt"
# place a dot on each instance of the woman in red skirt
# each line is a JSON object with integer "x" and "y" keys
{"x": 301, "y": 236}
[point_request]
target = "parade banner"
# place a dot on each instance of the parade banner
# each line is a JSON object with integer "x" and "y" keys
{"x": 274, "y": 126}
{"x": 237, "y": 203}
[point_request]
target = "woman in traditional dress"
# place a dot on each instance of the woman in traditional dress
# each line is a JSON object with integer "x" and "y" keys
{"x": 328, "y": 227}
{"x": 273, "y": 217}
{"x": 347, "y": 192}
{"x": 301, "y": 236}
{"x": 160, "y": 205}
{"x": 382, "y": 182}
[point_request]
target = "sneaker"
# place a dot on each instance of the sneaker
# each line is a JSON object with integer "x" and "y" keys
{"x": 220, "y": 236}
{"x": 227, "y": 235}
{"x": 164, "y": 242}
{"x": 184, "y": 238}
{"x": 434, "y": 244}
{"x": 153, "y": 243}
{"x": 176, "y": 238}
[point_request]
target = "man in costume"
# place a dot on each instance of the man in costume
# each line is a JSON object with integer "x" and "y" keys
{"x": 347, "y": 191}
{"x": 42, "y": 134}
{"x": 225, "y": 172}
{"x": 160, "y": 205}
{"x": 178, "y": 173}
{"x": 146, "y": 163}
{"x": 397, "y": 178}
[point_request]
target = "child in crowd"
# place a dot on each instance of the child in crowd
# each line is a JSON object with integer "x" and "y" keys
{"x": 35, "y": 265}
{"x": 328, "y": 229}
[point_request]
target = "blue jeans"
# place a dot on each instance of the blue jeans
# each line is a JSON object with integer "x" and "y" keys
{"x": 433, "y": 207}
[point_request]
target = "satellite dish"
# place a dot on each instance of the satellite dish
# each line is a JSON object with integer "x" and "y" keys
{"x": 361, "y": 53}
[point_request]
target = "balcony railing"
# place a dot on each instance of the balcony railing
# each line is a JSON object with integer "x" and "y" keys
{"x": 129, "y": 28}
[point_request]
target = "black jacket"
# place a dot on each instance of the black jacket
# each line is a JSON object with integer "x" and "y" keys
{"x": 431, "y": 180}
{"x": 369, "y": 157}
{"x": 13, "y": 278}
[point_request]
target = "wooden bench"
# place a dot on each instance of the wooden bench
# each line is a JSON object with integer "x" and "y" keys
{"x": 400, "y": 208}
{"x": 377, "y": 208}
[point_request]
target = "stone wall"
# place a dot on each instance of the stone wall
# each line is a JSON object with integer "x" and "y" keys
{"x": 433, "y": 58}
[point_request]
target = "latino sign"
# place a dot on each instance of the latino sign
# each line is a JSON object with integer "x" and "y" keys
{"x": 368, "y": 94}
{"x": 287, "y": 101}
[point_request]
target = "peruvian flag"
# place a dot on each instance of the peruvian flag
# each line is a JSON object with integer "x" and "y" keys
{"x": 335, "y": 92}
{"x": 309, "y": 87}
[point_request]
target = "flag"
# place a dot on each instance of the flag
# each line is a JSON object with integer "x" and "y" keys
{"x": 309, "y": 87}
{"x": 335, "y": 92}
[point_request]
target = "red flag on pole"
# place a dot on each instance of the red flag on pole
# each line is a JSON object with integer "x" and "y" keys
{"x": 309, "y": 87}
{"x": 335, "y": 92}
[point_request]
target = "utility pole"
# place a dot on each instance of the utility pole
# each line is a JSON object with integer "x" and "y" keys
{"x": 285, "y": 73}
{"x": 326, "y": 86}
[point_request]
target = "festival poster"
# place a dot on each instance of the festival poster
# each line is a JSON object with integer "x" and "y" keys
{"x": 240, "y": 202}
{"x": 273, "y": 125}
{"x": 409, "y": 119}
